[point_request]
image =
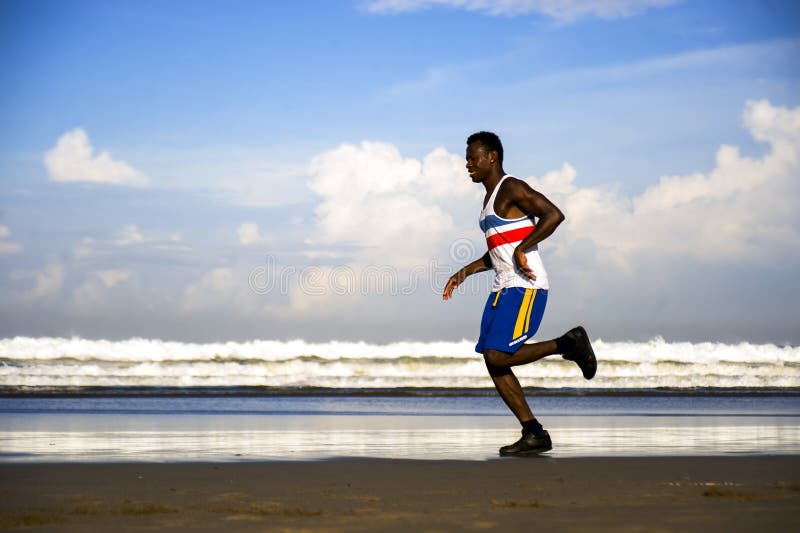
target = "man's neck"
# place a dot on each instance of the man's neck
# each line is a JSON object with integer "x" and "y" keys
{"x": 492, "y": 181}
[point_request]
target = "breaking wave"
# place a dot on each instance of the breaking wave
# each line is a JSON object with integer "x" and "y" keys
{"x": 75, "y": 362}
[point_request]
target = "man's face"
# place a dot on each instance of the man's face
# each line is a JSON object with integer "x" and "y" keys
{"x": 479, "y": 163}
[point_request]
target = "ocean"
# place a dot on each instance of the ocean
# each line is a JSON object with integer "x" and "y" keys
{"x": 59, "y": 364}
{"x": 73, "y": 399}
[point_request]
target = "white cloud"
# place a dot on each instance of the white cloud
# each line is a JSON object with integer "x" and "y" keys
{"x": 8, "y": 246}
{"x": 249, "y": 234}
{"x": 380, "y": 217}
{"x": 84, "y": 248}
{"x": 744, "y": 210}
{"x": 564, "y": 10}
{"x": 394, "y": 210}
{"x": 777, "y": 126}
{"x": 380, "y": 207}
{"x": 398, "y": 211}
{"x": 113, "y": 277}
{"x": 88, "y": 296}
{"x": 726, "y": 57}
{"x": 93, "y": 293}
{"x": 720, "y": 59}
{"x": 72, "y": 159}
{"x": 128, "y": 235}
{"x": 47, "y": 282}
{"x": 439, "y": 77}
{"x": 223, "y": 291}
{"x": 213, "y": 289}
{"x": 433, "y": 78}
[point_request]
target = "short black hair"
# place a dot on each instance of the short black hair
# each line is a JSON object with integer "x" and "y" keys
{"x": 490, "y": 140}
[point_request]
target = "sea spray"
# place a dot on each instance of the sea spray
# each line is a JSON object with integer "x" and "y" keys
{"x": 76, "y": 362}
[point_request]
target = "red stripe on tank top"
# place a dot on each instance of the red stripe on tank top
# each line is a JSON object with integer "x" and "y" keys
{"x": 507, "y": 237}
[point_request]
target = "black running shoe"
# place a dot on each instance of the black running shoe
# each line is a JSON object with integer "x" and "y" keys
{"x": 582, "y": 354}
{"x": 529, "y": 444}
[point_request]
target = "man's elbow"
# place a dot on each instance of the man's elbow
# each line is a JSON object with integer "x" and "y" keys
{"x": 558, "y": 217}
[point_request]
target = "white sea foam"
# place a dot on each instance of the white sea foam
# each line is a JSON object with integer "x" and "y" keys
{"x": 63, "y": 362}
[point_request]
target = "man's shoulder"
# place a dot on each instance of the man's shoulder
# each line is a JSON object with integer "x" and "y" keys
{"x": 513, "y": 186}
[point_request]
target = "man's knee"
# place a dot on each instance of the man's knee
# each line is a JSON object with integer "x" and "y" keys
{"x": 496, "y": 358}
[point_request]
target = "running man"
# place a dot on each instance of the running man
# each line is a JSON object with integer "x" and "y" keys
{"x": 514, "y": 219}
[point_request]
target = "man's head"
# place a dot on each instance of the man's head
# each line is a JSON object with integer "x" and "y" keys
{"x": 490, "y": 141}
{"x": 484, "y": 155}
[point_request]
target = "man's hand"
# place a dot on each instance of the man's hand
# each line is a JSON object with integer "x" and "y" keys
{"x": 452, "y": 284}
{"x": 522, "y": 264}
{"x": 479, "y": 265}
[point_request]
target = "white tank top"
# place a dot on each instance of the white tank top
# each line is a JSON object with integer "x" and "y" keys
{"x": 503, "y": 235}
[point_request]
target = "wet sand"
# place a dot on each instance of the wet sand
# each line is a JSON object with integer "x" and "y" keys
{"x": 575, "y": 494}
{"x": 145, "y": 437}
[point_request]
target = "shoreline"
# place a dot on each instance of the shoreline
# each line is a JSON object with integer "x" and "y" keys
{"x": 359, "y": 494}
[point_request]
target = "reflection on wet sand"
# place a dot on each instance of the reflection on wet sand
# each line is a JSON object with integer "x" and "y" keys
{"x": 235, "y": 438}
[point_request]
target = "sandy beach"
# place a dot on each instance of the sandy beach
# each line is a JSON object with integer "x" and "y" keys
{"x": 575, "y": 494}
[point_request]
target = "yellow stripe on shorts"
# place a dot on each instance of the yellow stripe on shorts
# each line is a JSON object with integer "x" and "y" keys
{"x": 523, "y": 310}
{"x": 494, "y": 303}
{"x": 530, "y": 309}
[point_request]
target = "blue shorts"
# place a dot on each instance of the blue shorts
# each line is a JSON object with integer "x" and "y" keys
{"x": 510, "y": 317}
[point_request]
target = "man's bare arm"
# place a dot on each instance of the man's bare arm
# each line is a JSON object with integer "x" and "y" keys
{"x": 479, "y": 265}
{"x": 533, "y": 204}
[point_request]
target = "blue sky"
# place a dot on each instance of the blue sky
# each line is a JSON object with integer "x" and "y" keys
{"x": 193, "y": 142}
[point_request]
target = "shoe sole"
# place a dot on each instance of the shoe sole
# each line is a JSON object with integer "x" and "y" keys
{"x": 527, "y": 453}
{"x": 590, "y": 369}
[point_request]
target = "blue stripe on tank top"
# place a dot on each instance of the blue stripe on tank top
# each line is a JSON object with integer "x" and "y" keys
{"x": 494, "y": 221}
